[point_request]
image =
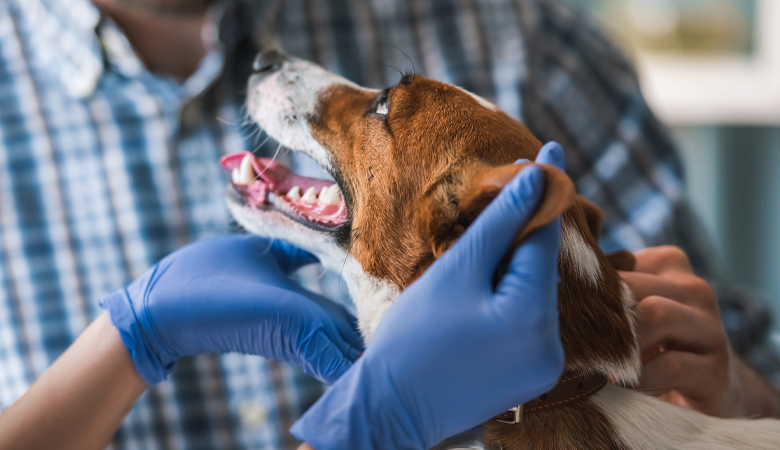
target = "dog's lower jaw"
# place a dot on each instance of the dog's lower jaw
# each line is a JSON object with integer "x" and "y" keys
{"x": 372, "y": 295}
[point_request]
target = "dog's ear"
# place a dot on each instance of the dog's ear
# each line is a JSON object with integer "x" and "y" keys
{"x": 451, "y": 205}
{"x": 593, "y": 215}
{"x": 621, "y": 260}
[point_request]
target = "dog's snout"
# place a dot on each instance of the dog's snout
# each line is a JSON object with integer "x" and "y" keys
{"x": 269, "y": 61}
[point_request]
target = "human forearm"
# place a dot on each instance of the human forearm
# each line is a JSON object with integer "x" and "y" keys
{"x": 81, "y": 400}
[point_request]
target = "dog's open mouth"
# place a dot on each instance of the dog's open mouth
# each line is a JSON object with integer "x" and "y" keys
{"x": 268, "y": 184}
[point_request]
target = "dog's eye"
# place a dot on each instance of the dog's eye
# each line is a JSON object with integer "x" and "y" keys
{"x": 381, "y": 108}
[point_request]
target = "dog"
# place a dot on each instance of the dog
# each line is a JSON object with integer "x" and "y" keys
{"x": 413, "y": 166}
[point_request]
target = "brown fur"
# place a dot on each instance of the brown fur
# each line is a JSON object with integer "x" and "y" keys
{"x": 414, "y": 181}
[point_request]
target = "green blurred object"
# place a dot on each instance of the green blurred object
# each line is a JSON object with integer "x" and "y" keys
{"x": 702, "y": 27}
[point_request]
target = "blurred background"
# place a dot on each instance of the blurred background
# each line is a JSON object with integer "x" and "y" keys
{"x": 710, "y": 69}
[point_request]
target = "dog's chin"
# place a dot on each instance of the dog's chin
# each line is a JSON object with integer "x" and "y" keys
{"x": 371, "y": 295}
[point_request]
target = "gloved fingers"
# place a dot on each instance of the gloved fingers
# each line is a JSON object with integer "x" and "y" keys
{"x": 531, "y": 283}
{"x": 552, "y": 154}
{"x": 348, "y": 334}
{"x": 348, "y": 342}
{"x": 344, "y": 321}
{"x": 351, "y": 335}
{"x": 487, "y": 240}
{"x": 322, "y": 358}
{"x": 291, "y": 258}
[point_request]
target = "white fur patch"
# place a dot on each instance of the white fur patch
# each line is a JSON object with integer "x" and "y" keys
{"x": 647, "y": 423}
{"x": 628, "y": 374}
{"x": 282, "y": 104}
{"x": 480, "y": 100}
{"x": 625, "y": 373}
{"x": 580, "y": 255}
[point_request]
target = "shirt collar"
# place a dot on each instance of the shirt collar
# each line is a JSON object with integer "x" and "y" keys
{"x": 63, "y": 40}
{"x": 71, "y": 41}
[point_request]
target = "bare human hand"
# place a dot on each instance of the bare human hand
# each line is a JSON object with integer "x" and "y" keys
{"x": 687, "y": 358}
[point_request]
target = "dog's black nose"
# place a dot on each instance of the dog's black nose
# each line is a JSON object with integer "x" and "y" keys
{"x": 269, "y": 61}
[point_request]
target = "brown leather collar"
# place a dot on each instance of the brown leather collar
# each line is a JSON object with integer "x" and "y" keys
{"x": 570, "y": 389}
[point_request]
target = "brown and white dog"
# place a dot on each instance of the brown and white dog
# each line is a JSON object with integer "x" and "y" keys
{"x": 414, "y": 165}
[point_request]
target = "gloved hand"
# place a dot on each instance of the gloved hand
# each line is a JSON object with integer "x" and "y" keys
{"x": 232, "y": 294}
{"x": 451, "y": 352}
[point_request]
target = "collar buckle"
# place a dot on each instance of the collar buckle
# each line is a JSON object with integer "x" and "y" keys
{"x": 513, "y": 416}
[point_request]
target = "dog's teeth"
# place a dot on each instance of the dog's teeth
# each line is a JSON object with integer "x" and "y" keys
{"x": 335, "y": 194}
{"x": 235, "y": 176}
{"x": 246, "y": 175}
{"x": 294, "y": 193}
{"x": 310, "y": 196}
{"x": 330, "y": 195}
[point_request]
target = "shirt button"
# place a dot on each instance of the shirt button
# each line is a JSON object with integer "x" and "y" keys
{"x": 191, "y": 115}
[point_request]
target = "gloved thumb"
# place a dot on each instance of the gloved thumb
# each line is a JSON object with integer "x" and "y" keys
{"x": 530, "y": 285}
{"x": 552, "y": 154}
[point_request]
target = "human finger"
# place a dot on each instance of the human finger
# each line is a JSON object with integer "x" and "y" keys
{"x": 687, "y": 289}
{"x": 663, "y": 259}
{"x": 664, "y": 323}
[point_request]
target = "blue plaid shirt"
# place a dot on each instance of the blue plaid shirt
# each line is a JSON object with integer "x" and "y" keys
{"x": 106, "y": 167}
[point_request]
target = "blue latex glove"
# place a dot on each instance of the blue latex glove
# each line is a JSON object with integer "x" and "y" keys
{"x": 451, "y": 352}
{"x": 231, "y": 294}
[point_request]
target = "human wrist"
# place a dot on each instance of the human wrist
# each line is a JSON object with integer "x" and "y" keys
{"x": 361, "y": 410}
{"x": 755, "y": 396}
{"x": 124, "y": 318}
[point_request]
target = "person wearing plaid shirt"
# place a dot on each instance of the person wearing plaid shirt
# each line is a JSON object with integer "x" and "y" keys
{"x": 107, "y": 166}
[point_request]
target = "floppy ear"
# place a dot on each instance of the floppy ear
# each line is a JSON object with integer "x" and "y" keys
{"x": 621, "y": 260}
{"x": 594, "y": 216}
{"x": 451, "y": 205}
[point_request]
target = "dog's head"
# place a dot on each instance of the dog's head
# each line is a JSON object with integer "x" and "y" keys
{"x": 414, "y": 165}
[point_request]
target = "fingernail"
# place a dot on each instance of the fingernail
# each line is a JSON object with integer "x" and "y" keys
{"x": 522, "y": 160}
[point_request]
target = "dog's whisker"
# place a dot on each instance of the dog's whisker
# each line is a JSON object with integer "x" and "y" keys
{"x": 395, "y": 68}
{"x": 414, "y": 69}
{"x": 258, "y": 147}
{"x": 276, "y": 154}
{"x": 267, "y": 249}
{"x": 253, "y": 134}
{"x": 260, "y": 135}
{"x": 355, "y": 233}
{"x": 272, "y": 160}
{"x": 227, "y": 122}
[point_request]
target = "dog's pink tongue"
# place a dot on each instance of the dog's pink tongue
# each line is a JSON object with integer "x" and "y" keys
{"x": 273, "y": 173}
